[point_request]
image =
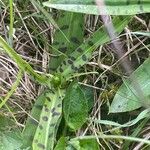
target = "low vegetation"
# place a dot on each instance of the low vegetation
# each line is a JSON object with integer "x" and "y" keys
{"x": 63, "y": 83}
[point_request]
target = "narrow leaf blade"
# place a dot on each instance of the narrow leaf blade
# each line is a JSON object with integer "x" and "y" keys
{"x": 112, "y": 7}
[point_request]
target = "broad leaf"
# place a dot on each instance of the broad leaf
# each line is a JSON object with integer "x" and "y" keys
{"x": 10, "y": 140}
{"x": 75, "y": 107}
{"x": 61, "y": 144}
{"x": 126, "y": 98}
{"x": 113, "y": 7}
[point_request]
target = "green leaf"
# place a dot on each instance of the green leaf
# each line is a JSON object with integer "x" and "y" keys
{"x": 73, "y": 145}
{"x": 126, "y": 98}
{"x": 84, "y": 144}
{"x": 71, "y": 24}
{"x": 84, "y": 52}
{"x": 32, "y": 120}
{"x": 61, "y": 144}
{"x": 89, "y": 95}
{"x": 10, "y": 141}
{"x": 50, "y": 117}
{"x": 5, "y": 123}
{"x": 114, "y": 7}
{"x": 75, "y": 107}
{"x": 142, "y": 115}
{"x": 88, "y": 144}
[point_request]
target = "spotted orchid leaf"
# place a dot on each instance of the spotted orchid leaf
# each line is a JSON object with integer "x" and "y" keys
{"x": 83, "y": 53}
{"x": 33, "y": 119}
{"x": 71, "y": 24}
{"x": 113, "y": 7}
{"x": 50, "y": 116}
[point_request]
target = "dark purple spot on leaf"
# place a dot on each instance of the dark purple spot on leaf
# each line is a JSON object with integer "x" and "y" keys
{"x": 84, "y": 58}
{"x": 48, "y": 98}
{"x": 60, "y": 69}
{"x": 73, "y": 67}
{"x": 41, "y": 127}
{"x": 46, "y": 109}
{"x": 59, "y": 105}
{"x": 40, "y": 145}
{"x": 52, "y": 91}
{"x": 55, "y": 114}
{"x": 45, "y": 118}
{"x": 50, "y": 135}
{"x": 72, "y": 58}
{"x": 75, "y": 40}
{"x": 62, "y": 49}
{"x": 52, "y": 125}
{"x": 80, "y": 50}
{"x": 53, "y": 109}
{"x": 70, "y": 61}
{"x": 64, "y": 62}
{"x": 90, "y": 43}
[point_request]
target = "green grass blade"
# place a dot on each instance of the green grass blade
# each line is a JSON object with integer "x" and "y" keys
{"x": 135, "y": 133}
{"x": 83, "y": 53}
{"x": 13, "y": 88}
{"x": 115, "y": 7}
{"x": 144, "y": 114}
{"x": 104, "y": 136}
{"x": 11, "y": 22}
{"x": 22, "y": 64}
{"x": 71, "y": 25}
